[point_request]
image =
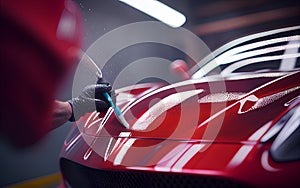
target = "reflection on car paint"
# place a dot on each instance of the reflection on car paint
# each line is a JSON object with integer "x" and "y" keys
{"x": 94, "y": 121}
{"x": 95, "y": 115}
{"x": 73, "y": 142}
{"x": 231, "y": 68}
{"x": 171, "y": 86}
{"x": 262, "y": 102}
{"x": 244, "y": 151}
{"x": 291, "y": 101}
{"x": 247, "y": 54}
{"x": 171, "y": 157}
{"x": 188, "y": 155}
{"x": 260, "y": 132}
{"x": 162, "y": 106}
{"x": 265, "y": 162}
{"x": 290, "y": 63}
{"x": 221, "y": 97}
{"x": 122, "y": 152}
{"x": 107, "y": 153}
{"x": 240, "y": 156}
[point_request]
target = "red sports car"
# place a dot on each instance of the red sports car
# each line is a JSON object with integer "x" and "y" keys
{"x": 234, "y": 123}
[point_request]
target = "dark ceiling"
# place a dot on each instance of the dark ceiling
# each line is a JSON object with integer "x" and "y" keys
{"x": 230, "y": 19}
{"x": 215, "y": 21}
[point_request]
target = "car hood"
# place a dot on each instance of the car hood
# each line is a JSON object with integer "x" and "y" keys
{"x": 237, "y": 108}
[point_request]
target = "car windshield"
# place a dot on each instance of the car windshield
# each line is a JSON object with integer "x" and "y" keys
{"x": 276, "y": 50}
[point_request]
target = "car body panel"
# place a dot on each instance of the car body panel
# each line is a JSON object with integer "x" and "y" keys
{"x": 235, "y": 103}
{"x": 215, "y": 126}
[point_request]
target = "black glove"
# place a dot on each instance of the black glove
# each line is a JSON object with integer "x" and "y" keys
{"x": 90, "y": 99}
{"x": 111, "y": 92}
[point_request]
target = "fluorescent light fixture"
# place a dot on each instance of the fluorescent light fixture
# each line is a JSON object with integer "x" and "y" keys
{"x": 159, "y": 11}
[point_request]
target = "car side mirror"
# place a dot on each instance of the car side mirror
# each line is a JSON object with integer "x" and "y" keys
{"x": 180, "y": 67}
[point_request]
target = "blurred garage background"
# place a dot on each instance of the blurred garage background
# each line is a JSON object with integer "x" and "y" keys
{"x": 216, "y": 22}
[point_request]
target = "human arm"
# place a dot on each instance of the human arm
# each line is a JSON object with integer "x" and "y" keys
{"x": 62, "y": 113}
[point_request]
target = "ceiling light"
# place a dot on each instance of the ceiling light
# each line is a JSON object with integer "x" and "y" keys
{"x": 159, "y": 11}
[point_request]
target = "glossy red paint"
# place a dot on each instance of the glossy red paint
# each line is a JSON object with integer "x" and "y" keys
{"x": 207, "y": 127}
{"x": 234, "y": 152}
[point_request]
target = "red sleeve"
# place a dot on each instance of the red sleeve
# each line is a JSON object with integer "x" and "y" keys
{"x": 40, "y": 41}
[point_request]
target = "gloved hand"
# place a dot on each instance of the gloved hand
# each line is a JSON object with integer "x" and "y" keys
{"x": 90, "y": 99}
